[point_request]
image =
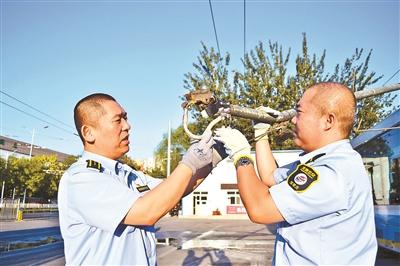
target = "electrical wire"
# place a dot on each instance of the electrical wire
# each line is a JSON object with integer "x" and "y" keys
{"x": 244, "y": 28}
{"x": 38, "y": 118}
{"x": 391, "y": 77}
{"x": 215, "y": 28}
{"x": 37, "y": 110}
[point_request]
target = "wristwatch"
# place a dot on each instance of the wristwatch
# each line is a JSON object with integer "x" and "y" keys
{"x": 242, "y": 161}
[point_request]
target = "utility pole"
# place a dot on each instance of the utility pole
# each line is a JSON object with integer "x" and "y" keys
{"x": 23, "y": 202}
{"x": 169, "y": 150}
{"x": 30, "y": 152}
{"x": 13, "y": 195}
{"x": 2, "y": 194}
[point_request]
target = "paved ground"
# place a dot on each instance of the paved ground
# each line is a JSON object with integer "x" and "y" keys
{"x": 208, "y": 241}
{"x": 194, "y": 241}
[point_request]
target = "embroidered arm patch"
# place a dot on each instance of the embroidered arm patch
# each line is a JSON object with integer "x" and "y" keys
{"x": 302, "y": 178}
{"x": 142, "y": 188}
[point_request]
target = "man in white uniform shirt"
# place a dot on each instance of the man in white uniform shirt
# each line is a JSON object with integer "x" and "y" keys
{"x": 107, "y": 210}
{"x": 322, "y": 202}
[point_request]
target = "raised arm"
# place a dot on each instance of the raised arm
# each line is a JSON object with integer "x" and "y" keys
{"x": 254, "y": 193}
{"x": 148, "y": 209}
{"x": 265, "y": 161}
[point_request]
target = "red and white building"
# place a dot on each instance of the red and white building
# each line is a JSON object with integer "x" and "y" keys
{"x": 219, "y": 192}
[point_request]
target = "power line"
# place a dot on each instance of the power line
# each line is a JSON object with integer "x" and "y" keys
{"x": 244, "y": 28}
{"x": 38, "y": 118}
{"x": 37, "y": 110}
{"x": 215, "y": 30}
{"x": 391, "y": 77}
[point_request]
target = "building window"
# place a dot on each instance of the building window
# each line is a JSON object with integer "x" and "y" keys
{"x": 200, "y": 197}
{"x": 234, "y": 197}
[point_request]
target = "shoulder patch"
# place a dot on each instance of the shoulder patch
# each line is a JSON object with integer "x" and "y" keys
{"x": 302, "y": 178}
{"x": 93, "y": 164}
{"x": 315, "y": 158}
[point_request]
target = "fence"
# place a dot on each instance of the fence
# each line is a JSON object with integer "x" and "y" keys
{"x": 9, "y": 209}
{"x": 15, "y": 210}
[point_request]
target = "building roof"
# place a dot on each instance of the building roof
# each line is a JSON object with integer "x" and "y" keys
{"x": 23, "y": 148}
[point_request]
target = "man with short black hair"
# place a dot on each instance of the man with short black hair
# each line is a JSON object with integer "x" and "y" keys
{"x": 107, "y": 210}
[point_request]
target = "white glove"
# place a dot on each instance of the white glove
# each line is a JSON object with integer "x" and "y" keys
{"x": 200, "y": 153}
{"x": 234, "y": 141}
{"x": 260, "y": 128}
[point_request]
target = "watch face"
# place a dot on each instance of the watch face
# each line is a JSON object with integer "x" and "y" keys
{"x": 243, "y": 161}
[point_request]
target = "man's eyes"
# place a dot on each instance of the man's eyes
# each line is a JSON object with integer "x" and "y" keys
{"x": 119, "y": 119}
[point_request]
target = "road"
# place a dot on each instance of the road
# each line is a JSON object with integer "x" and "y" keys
{"x": 182, "y": 241}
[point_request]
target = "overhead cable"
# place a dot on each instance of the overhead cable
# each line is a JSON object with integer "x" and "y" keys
{"x": 391, "y": 77}
{"x": 37, "y": 110}
{"x": 38, "y": 118}
{"x": 215, "y": 29}
{"x": 244, "y": 28}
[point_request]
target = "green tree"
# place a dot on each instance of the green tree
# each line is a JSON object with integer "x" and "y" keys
{"x": 266, "y": 81}
{"x": 129, "y": 161}
{"x": 211, "y": 74}
{"x": 39, "y": 175}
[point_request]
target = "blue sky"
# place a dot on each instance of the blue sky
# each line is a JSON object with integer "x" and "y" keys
{"x": 53, "y": 53}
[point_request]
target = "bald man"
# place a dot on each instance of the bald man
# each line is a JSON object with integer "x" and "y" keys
{"x": 322, "y": 202}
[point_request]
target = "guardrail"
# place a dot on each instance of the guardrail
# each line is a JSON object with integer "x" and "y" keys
{"x": 14, "y": 210}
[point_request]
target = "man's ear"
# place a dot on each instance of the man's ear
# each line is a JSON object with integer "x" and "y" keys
{"x": 330, "y": 121}
{"x": 88, "y": 133}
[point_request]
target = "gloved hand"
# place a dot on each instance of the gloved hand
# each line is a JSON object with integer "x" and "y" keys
{"x": 200, "y": 153}
{"x": 234, "y": 141}
{"x": 261, "y": 129}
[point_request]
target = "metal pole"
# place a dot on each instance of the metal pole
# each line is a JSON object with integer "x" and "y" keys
{"x": 249, "y": 113}
{"x": 17, "y": 214}
{"x": 13, "y": 196}
{"x": 30, "y": 152}
{"x": 2, "y": 193}
{"x": 376, "y": 91}
{"x": 169, "y": 150}
{"x": 23, "y": 201}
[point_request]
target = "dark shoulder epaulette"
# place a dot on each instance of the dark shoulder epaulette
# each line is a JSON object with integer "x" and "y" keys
{"x": 93, "y": 164}
{"x": 315, "y": 158}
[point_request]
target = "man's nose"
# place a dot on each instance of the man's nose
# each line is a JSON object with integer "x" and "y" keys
{"x": 127, "y": 126}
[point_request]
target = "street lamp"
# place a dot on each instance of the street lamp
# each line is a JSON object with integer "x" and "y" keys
{"x": 33, "y": 135}
{"x": 30, "y": 151}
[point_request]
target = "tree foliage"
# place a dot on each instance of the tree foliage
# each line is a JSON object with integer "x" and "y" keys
{"x": 269, "y": 79}
{"x": 39, "y": 175}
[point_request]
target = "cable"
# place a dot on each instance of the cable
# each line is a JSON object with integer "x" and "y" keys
{"x": 391, "y": 77}
{"x": 37, "y": 110}
{"x": 215, "y": 30}
{"x": 244, "y": 28}
{"x": 38, "y": 118}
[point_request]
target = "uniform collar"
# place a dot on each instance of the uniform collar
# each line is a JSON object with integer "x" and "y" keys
{"x": 110, "y": 164}
{"x": 304, "y": 157}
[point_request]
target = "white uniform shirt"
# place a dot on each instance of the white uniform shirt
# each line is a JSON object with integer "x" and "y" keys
{"x": 332, "y": 220}
{"x": 92, "y": 202}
